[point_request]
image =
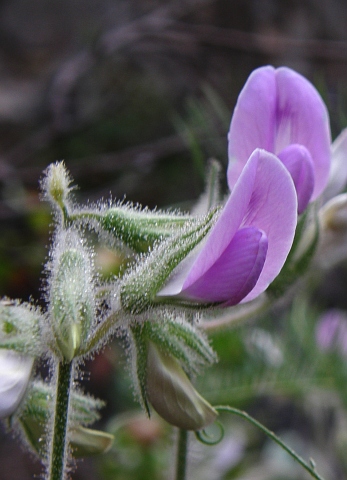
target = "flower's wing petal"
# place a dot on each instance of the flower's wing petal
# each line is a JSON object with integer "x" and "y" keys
{"x": 235, "y": 272}
{"x": 253, "y": 121}
{"x": 298, "y": 161}
{"x": 302, "y": 117}
{"x": 15, "y": 371}
{"x": 273, "y": 209}
{"x": 264, "y": 197}
{"x": 208, "y": 252}
{"x": 228, "y": 223}
{"x": 338, "y": 172}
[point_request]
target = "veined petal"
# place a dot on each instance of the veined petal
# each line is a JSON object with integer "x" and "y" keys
{"x": 253, "y": 122}
{"x": 263, "y": 199}
{"x": 298, "y": 161}
{"x": 273, "y": 209}
{"x": 221, "y": 235}
{"x": 235, "y": 272}
{"x": 15, "y": 371}
{"x": 277, "y": 108}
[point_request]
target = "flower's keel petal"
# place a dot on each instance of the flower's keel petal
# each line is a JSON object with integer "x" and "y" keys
{"x": 236, "y": 271}
{"x": 302, "y": 118}
{"x": 298, "y": 161}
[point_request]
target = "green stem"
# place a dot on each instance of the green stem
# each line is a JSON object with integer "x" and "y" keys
{"x": 59, "y": 449}
{"x": 181, "y": 458}
{"x": 310, "y": 468}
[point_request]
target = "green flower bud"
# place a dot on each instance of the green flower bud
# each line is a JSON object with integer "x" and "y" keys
{"x": 20, "y": 328}
{"x": 333, "y": 222}
{"x": 180, "y": 340}
{"x": 56, "y": 184}
{"x": 36, "y": 413}
{"x": 72, "y": 302}
{"x": 135, "y": 228}
{"x": 139, "y": 287}
{"x": 172, "y": 395}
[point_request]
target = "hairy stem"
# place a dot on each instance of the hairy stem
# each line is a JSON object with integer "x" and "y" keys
{"x": 59, "y": 448}
{"x": 181, "y": 458}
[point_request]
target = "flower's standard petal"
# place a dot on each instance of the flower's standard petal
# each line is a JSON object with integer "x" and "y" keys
{"x": 273, "y": 209}
{"x": 235, "y": 272}
{"x": 253, "y": 121}
{"x": 302, "y": 117}
{"x": 275, "y": 109}
{"x": 15, "y": 372}
{"x": 298, "y": 162}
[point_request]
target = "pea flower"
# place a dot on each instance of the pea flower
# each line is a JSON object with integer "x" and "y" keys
{"x": 15, "y": 372}
{"x": 281, "y": 111}
{"x": 331, "y": 331}
{"x": 248, "y": 245}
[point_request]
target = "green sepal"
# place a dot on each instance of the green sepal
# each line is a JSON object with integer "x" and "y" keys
{"x": 178, "y": 339}
{"x": 20, "y": 328}
{"x": 139, "y": 287}
{"x": 188, "y": 345}
{"x": 300, "y": 256}
{"x": 140, "y": 354}
{"x": 72, "y": 302}
{"x": 137, "y": 229}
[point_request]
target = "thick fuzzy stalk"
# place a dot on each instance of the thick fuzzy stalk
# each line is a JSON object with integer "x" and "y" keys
{"x": 58, "y": 461}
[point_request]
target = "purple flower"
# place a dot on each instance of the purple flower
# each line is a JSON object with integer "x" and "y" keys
{"x": 249, "y": 244}
{"x": 331, "y": 331}
{"x": 280, "y": 111}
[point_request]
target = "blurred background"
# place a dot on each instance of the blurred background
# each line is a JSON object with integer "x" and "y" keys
{"x": 136, "y": 96}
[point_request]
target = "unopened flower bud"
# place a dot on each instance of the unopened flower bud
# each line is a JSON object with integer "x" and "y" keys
{"x": 35, "y": 416}
{"x": 172, "y": 395}
{"x": 56, "y": 184}
{"x": 136, "y": 229}
{"x": 72, "y": 295}
{"x": 20, "y": 328}
{"x": 333, "y": 214}
{"x": 332, "y": 246}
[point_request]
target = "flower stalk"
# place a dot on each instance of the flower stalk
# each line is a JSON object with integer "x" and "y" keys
{"x": 181, "y": 456}
{"x": 309, "y": 467}
{"x": 59, "y": 455}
